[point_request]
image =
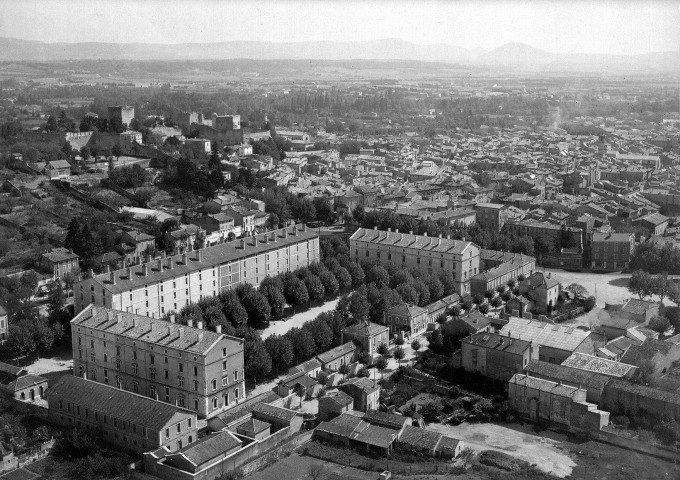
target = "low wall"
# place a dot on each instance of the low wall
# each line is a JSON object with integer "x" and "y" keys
{"x": 635, "y": 445}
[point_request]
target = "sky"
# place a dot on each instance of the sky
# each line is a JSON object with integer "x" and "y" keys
{"x": 564, "y": 26}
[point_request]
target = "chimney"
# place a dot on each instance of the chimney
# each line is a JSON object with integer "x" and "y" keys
{"x": 440, "y": 235}
{"x": 254, "y": 241}
{"x": 84, "y": 375}
{"x": 160, "y": 265}
{"x": 169, "y": 330}
{"x": 184, "y": 259}
{"x": 90, "y": 273}
{"x": 119, "y": 317}
{"x": 134, "y": 322}
{"x": 200, "y": 336}
{"x": 396, "y": 230}
{"x": 218, "y": 328}
{"x": 190, "y": 247}
{"x": 171, "y": 265}
{"x": 375, "y": 228}
{"x": 109, "y": 315}
{"x": 129, "y": 273}
{"x": 108, "y": 268}
{"x": 275, "y": 237}
{"x": 410, "y": 232}
{"x": 549, "y": 274}
{"x": 304, "y": 227}
{"x": 190, "y": 323}
{"x": 113, "y": 278}
{"x": 243, "y": 243}
{"x": 285, "y": 233}
{"x": 198, "y": 255}
{"x": 448, "y": 237}
{"x": 199, "y": 325}
{"x": 180, "y": 330}
{"x": 172, "y": 318}
{"x": 425, "y": 234}
{"x": 145, "y": 270}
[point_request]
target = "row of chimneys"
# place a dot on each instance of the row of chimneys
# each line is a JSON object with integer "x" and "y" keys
{"x": 118, "y": 317}
{"x": 145, "y": 268}
{"x": 396, "y": 230}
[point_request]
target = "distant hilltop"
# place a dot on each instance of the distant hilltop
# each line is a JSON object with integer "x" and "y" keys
{"x": 513, "y": 55}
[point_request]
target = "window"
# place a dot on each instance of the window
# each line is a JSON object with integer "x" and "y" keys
{"x": 214, "y": 402}
{"x": 117, "y": 364}
{"x": 225, "y": 380}
{"x": 106, "y": 376}
{"x": 134, "y": 354}
{"x": 180, "y": 400}
{"x": 236, "y": 393}
{"x": 224, "y": 352}
{"x": 195, "y": 403}
{"x": 80, "y": 341}
{"x": 152, "y": 391}
{"x": 92, "y": 356}
{"x": 167, "y": 374}
{"x": 167, "y": 433}
{"x": 224, "y": 365}
{"x": 196, "y": 385}
{"x": 134, "y": 368}
{"x": 152, "y": 359}
{"x": 152, "y": 373}
{"x": 181, "y": 367}
{"x": 80, "y": 354}
{"x": 106, "y": 358}
{"x": 195, "y": 371}
{"x": 167, "y": 394}
{"x": 180, "y": 381}
{"x": 91, "y": 343}
{"x": 118, "y": 351}
{"x": 165, "y": 360}
{"x": 235, "y": 375}
{"x": 179, "y": 427}
{"x": 135, "y": 386}
{"x": 214, "y": 384}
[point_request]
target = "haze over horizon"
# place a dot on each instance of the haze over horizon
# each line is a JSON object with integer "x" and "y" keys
{"x": 619, "y": 27}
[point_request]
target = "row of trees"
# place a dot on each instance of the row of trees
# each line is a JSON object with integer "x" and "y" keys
{"x": 656, "y": 259}
{"x": 644, "y": 285}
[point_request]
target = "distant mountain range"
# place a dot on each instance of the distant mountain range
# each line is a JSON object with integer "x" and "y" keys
{"x": 511, "y": 55}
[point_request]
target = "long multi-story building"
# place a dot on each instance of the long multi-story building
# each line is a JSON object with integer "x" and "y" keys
{"x": 611, "y": 251}
{"x": 177, "y": 364}
{"x": 429, "y": 254}
{"x": 501, "y": 274}
{"x": 125, "y": 419}
{"x": 168, "y": 284}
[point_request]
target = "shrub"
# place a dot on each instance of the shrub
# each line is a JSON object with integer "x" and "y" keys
{"x": 666, "y": 432}
{"x": 399, "y": 340}
{"x": 589, "y": 304}
{"x": 431, "y": 410}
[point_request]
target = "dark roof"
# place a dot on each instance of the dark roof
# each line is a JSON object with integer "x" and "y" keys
{"x": 421, "y": 242}
{"x": 243, "y": 409}
{"x": 208, "y": 448}
{"x": 339, "y": 397}
{"x": 128, "y": 406}
{"x": 362, "y": 383}
{"x": 275, "y": 412}
{"x": 420, "y": 438}
{"x": 406, "y": 310}
{"x": 26, "y": 381}
{"x": 385, "y": 419}
{"x": 336, "y": 352}
{"x": 637, "y": 306}
{"x": 589, "y": 380}
{"x": 60, "y": 255}
{"x": 367, "y": 329}
{"x": 649, "y": 348}
{"x": 159, "y": 270}
{"x": 152, "y": 330}
{"x": 643, "y": 391}
{"x": 498, "y": 342}
{"x": 10, "y": 369}
{"x": 300, "y": 378}
{"x": 253, "y": 425}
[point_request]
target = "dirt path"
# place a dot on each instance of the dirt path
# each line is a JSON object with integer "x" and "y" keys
{"x": 534, "y": 449}
{"x": 280, "y": 327}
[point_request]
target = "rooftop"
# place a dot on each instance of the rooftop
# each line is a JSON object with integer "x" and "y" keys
{"x": 60, "y": 254}
{"x": 208, "y": 448}
{"x": 553, "y": 388}
{"x": 178, "y": 265}
{"x": 545, "y": 334}
{"x": 134, "y": 408}
{"x": 406, "y": 310}
{"x": 603, "y": 366}
{"x": 567, "y": 374}
{"x": 366, "y": 329}
{"x": 275, "y": 412}
{"x": 336, "y": 352}
{"x": 408, "y": 240}
{"x": 152, "y": 330}
{"x": 498, "y": 342}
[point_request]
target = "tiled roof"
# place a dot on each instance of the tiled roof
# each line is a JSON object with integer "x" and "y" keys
{"x": 386, "y": 419}
{"x": 275, "y": 412}
{"x": 366, "y": 385}
{"x": 420, "y": 438}
{"x": 208, "y": 448}
{"x": 498, "y": 342}
{"x": 26, "y": 381}
{"x": 300, "y": 378}
{"x": 636, "y": 306}
{"x": 544, "y": 385}
{"x": 59, "y": 164}
{"x": 60, "y": 255}
{"x": 122, "y": 404}
{"x": 159, "y": 270}
{"x": 10, "y": 369}
{"x": 406, "y": 310}
{"x": 367, "y": 329}
{"x": 420, "y": 242}
{"x": 253, "y": 425}
{"x": 592, "y": 363}
{"x": 567, "y": 374}
{"x": 643, "y": 391}
{"x": 152, "y": 330}
{"x": 340, "y": 398}
{"x": 337, "y": 352}
{"x": 545, "y": 334}
{"x": 504, "y": 268}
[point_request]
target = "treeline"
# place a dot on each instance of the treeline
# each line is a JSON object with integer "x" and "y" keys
{"x": 484, "y": 238}
{"x": 656, "y": 259}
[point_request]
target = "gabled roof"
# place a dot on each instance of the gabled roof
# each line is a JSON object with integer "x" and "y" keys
{"x": 592, "y": 363}
{"x": 337, "y": 352}
{"x": 545, "y": 334}
{"x": 562, "y": 373}
{"x": 152, "y": 330}
{"x": 340, "y": 398}
{"x": 406, "y": 310}
{"x": 134, "y": 408}
{"x": 208, "y": 448}
{"x": 58, "y": 164}
{"x": 421, "y": 242}
{"x": 366, "y": 329}
{"x": 276, "y": 412}
{"x": 544, "y": 385}
{"x": 498, "y": 342}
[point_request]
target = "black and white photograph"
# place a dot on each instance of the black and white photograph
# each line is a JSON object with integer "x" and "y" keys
{"x": 339, "y": 240}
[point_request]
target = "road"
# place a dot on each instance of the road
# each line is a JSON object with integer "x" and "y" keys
{"x": 280, "y": 327}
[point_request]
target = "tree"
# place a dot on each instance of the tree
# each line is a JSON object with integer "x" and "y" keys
{"x": 281, "y": 350}
{"x": 329, "y": 282}
{"x": 659, "y": 324}
{"x": 382, "y": 349}
{"x": 378, "y": 275}
{"x": 577, "y": 290}
{"x": 295, "y": 292}
{"x": 484, "y": 308}
{"x": 302, "y": 342}
{"x": 321, "y": 332}
{"x": 276, "y": 300}
{"x": 431, "y": 410}
{"x": 399, "y": 353}
{"x": 116, "y": 151}
{"x": 314, "y": 286}
{"x": 316, "y": 471}
{"x": 436, "y": 341}
{"x": 381, "y": 364}
{"x": 673, "y": 292}
{"x": 496, "y": 302}
{"x": 357, "y": 273}
{"x": 399, "y": 340}
{"x": 257, "y": 307}
{"x": 358, "y": 213}
{"x": 55, "y": 297}
{"x": 660, "y": 285}
{"x": 343, "y": 370}
{"x": 641, "y": 284}
{"x": 232, "y": 308}
{"x": 415, "y": 345}
{"x": 259, "y": 362}
{"x": 343, "y": 277}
